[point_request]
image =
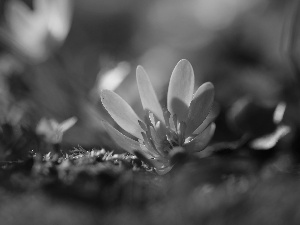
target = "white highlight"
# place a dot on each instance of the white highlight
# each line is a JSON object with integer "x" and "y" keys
{"x": 112, "y": 79}
{"x": 279, "y": 112}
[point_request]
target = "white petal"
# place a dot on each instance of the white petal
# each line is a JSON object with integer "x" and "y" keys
{"x": 181, "y": 88}
{"x": 200, "y": 107}
{"x": 67, "y": 124}
{"x": 202, "y": 140}
{"x": 279, "y": 112}
{"x": 122, "y": 113}
{"x": 147, "y": 94}
{"x": 269, "y": 141}
{"x": 121, "y": 140}
{"x": 208, "y": 120}
{"x": 44, "y": 127}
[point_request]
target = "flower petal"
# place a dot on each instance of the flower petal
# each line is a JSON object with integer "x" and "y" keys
{"x": 42, "y": 6}
{"x": 181, "y": 88}
{"x": 202, "y": 140}
{"x": 279, "y": 112}
{"x": 20, "y": 22}
{"x": 269, "y": 141}
{"x": 200, "y": 107}
{"x": 54, "y": 124}
{"x": 44, "y": 127}
{"x": 147, "y": 94}
{"x": 18, "y": 13}
{"x": 208, "y": 120}
{"x": 121, "y": 140}
{"x": 121, "y": 112}
{"x": 67, "y": 124}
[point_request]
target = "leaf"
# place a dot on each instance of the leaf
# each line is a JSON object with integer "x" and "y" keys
{"x": 270, "y": 140}
{"x": 121, "y": 112}
{"x": 121, "y": 140}
{"x": 147, "y": 94}
{"x": 200, "y": 107}
{"x": 202, "y": 140}
{"x": 181, "y": 88}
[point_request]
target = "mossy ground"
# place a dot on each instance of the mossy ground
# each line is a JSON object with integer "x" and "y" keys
{"x": 99, "y": 187}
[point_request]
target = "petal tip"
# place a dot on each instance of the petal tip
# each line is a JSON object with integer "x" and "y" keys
{"x": 139, "y": 68}
{"x": 140, "y": 71}
{"x": 181, "y": 89}
{"x": 106, "y": 94}
{"x": 103, "y": 92}
{"x": 184, "y": 64}
{"x": 208, "y": 86}
{"x": 184, "y": 61}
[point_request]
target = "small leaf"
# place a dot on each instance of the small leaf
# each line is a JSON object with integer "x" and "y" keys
{"x": 121, "y": 112}
{"x": 270, "y": 140}
{"x": 181, "y": 88}
{"x": 121, "y": 140}
{"x": 202, "y": 140}
{"x": 147, "y": 94}
{"x": 200, "y": 107}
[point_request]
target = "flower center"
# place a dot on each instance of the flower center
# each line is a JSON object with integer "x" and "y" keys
{"x": 160, "y": 138}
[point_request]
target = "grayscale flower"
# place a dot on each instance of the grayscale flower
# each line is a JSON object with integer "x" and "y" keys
{"x": 184, "y": 125}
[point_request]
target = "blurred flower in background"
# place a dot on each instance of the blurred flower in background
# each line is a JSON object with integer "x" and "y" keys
{"x": 35, "y": 33}
{"x": 52, "y": 131}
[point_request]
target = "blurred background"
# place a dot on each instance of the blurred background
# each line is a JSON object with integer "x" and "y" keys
{"x": 57, "y": 55}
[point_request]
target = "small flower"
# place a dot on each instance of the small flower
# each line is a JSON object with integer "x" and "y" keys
{"x": 52, "y": 130}
{"x": 34, "y": 34}
{"x": 184, "y": 125}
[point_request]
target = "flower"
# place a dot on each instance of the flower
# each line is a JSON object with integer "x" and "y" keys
{"x": 52, "y": 130}
{"x": 184, "y": 125}
{"x": 34, "y": 34}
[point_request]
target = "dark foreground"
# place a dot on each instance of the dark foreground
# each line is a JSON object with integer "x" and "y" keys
{"x": 96, "y": 187}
